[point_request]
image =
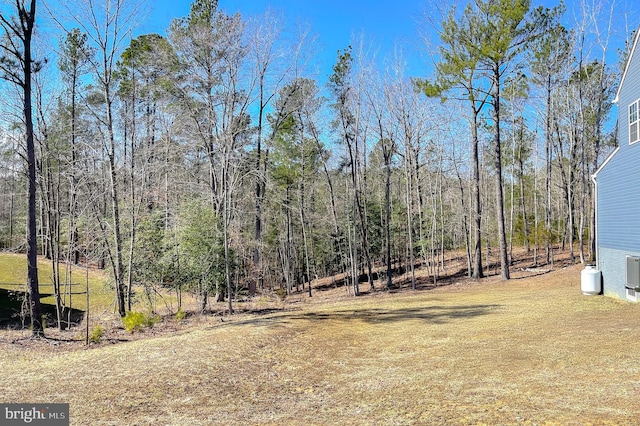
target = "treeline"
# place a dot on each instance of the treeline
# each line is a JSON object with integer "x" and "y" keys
{"x": 211, "y": 160}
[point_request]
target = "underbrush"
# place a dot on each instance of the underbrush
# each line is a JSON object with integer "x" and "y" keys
{"x": 137, "y": 321}
{"x": 96, "y": 334}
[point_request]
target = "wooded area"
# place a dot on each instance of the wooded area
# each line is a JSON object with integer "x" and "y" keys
{"x": 212, "y": 160}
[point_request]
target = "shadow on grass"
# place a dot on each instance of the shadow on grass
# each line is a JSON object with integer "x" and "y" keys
{"x": 14, "y": 316}
{"x": 431, "y": 314}
{"x": 428, "y": 314}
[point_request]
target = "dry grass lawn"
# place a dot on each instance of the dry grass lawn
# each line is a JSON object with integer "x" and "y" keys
{"x": 531, "y": 351}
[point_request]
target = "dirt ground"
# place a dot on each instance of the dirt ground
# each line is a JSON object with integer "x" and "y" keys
{"x": 532, "y": 350}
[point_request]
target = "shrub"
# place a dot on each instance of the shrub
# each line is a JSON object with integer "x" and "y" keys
{"x": 96, "y": 334}
{"x": 180, "y": 315}
{"x": 136, "y": 321}
{"x": 282, "y": 293}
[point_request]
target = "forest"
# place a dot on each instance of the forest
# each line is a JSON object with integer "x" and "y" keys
{"x": 212, "y": 160}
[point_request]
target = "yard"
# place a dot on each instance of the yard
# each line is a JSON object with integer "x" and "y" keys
{"x": 532, "y": 350}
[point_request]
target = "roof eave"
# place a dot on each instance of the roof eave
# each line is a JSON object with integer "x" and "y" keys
{"x": 626, "y": 67}
{"x": 606, "y": 161}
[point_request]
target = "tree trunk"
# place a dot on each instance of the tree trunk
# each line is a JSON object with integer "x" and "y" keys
{"x": 408, "y": 185}
{"x": 226, "y": 221}
{"x": 475, "y": 143}
{"x": 73, "y": 249}
{"x": 525, "y": 225}
{"x": 303, "y": 221}
{"x": 504, "y": 259}
{"x": 360, "y": 212}
{"x": 12, "y": 205}
{"x": 387, "y": 209}
{"x": 115, "y": 207}
{"x": 548, "y": 170}
{"x": 132, "y": 195}
{"x": 287, "y": 251}
{"x": 37, "y": 328}
{"x": 304, "y": 239}
{"x": 260, "y": 189}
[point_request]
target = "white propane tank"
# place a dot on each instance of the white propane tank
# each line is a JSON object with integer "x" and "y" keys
{"x": 590, "y": 282}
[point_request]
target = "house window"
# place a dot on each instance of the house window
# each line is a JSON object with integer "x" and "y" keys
{"x": 633, "y": 122}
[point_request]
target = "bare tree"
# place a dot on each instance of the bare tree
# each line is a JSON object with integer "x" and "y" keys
{"x": 108, "y": 26}
{"x": 17, "y": 67}
{"x": 549, "y": 55}
{"x": 215, "y": 98}
{"x": 460, "y": 71}
{"x": 265, "y": 53}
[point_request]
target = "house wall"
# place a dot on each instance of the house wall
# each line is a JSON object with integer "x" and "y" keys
{"x": 628, "y": 92}
{"x": 618, "y": 194}
{"x": 613, "y": 265}
{"x": 618, "y": 217}
{"x": 619, "y": 201}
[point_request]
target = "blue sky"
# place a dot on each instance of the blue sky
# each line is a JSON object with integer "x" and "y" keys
{"x": 385, "y": 23}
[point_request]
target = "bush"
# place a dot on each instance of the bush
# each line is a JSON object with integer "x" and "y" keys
{"x": 96, "y": 334}
{"x": 282, "y": 293}
{"x": 136, "y": 321}
{"x": 180, "y": 315}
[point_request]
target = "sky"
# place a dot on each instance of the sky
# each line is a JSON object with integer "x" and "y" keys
{"x": 386, "y": 24}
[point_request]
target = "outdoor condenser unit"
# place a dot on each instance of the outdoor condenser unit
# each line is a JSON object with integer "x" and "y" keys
{"x": 633, "y": 273}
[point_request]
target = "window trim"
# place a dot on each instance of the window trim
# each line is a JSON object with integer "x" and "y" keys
{"x": 636, "y": 122}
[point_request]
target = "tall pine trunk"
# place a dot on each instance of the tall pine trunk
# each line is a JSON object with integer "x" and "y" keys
{"x": 477, "y": 214}
{"x": 502, "y": 235}
{"x": 118, "y": 265}
{"x": 27, "y": 19}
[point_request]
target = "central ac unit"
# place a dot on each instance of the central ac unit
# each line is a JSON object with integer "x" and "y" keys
{"x": 633, "y": 273}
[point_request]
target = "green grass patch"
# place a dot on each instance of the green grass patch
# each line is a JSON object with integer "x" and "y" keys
{"x": 13, "y": 276}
